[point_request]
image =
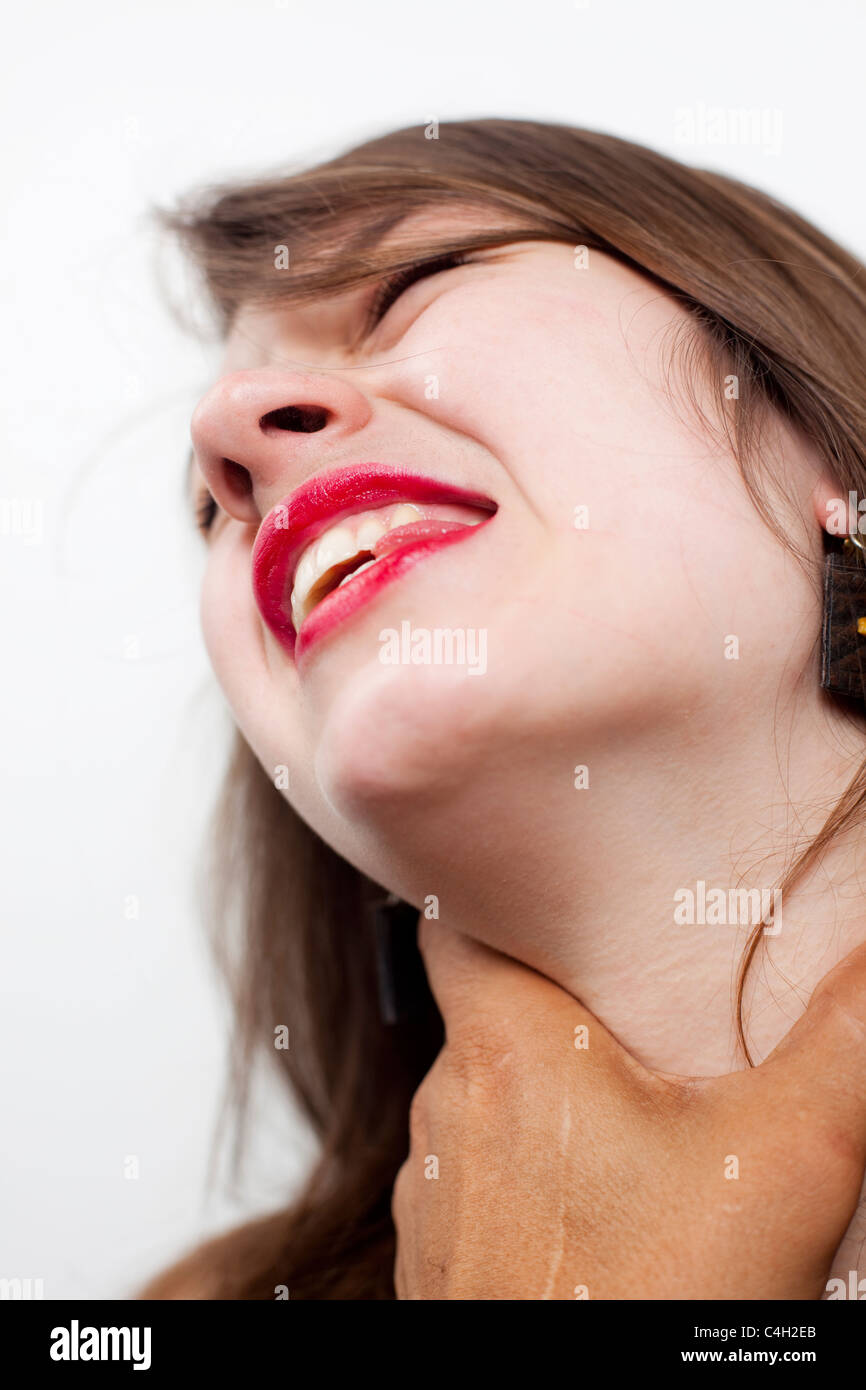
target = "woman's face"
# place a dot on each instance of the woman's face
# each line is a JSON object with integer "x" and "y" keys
{"x": 592, "y": 584}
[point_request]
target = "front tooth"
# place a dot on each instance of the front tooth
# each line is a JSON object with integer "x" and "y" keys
{"x": 341, "y": 543}
{"x": 404, "y": 515}
{"x": 371, "y": 529}
{"x": 335, "y": 545}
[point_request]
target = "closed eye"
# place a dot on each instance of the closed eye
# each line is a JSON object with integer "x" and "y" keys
{"x": 390, "y": 289}
{"x": 205, "y": 511}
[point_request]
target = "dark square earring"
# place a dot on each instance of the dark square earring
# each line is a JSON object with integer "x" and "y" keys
{"x": 843, "y": 637}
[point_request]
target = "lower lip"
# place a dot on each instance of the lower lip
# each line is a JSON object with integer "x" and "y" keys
{"x": 342, "y": 603}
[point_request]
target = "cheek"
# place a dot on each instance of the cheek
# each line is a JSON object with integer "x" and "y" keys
{"x": 226, "y": 616}
{"x": 261, "y": 687}
{"x": 653, "y": 587}
{"x": 238, "y": 652}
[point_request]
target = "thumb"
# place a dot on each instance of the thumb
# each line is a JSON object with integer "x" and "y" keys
{"x": 476, "y": 986}
{"x": 821, "y": 1062}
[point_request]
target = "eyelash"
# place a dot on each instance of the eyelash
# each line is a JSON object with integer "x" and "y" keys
{"x": 205, "y": 512}
{"x": 395, "y": 285}
{"x": 388, "y": 293}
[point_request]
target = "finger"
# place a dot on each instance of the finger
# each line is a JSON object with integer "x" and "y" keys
{"x": 823, "y": 1057}
{"x": 463, "y": 973}
{"x": 476, "y": 987}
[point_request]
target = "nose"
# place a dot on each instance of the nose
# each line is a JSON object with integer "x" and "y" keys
{"x": 258, "y": 433}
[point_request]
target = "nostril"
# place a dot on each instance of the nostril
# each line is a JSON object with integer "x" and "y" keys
{"x": 304, "y": 419}
{"x": 237, "y": 479}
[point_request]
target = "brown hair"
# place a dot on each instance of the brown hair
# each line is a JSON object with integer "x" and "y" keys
{"x": 773, "y": 301}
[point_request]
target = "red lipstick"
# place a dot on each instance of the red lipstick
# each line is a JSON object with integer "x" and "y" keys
{"x": 300, "y": 518}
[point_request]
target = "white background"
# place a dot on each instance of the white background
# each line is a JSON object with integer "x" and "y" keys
{"x": 112, "y": 1028}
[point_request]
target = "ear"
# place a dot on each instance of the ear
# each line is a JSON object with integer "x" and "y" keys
{"x": 836, "y": 511}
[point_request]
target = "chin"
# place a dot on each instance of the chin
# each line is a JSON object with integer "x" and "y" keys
{"x": 397, "y": 735}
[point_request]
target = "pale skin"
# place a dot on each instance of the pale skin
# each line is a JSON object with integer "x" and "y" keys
{"x": 606, "y": 648}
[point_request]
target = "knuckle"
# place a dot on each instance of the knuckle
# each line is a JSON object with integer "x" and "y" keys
{"x": 829, "y": 1155}
{"x": 482, "y": 1055}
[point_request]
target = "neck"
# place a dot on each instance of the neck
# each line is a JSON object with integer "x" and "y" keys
{"x": 589, "y": 897}
{"x": 630, "y": 897}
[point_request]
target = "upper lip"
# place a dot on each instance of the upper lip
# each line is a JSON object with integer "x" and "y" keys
{"x": 292, "y": 524}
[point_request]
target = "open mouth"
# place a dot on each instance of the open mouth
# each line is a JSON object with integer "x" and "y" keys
{"x": 342, "y": 536}
{"x": 356, "y": 543}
